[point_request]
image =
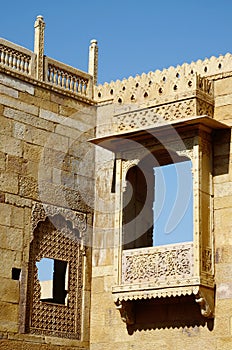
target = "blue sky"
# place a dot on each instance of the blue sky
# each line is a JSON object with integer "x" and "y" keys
{"x": 45, "y": 269}
{"x": 173, "y": 204}
{"x": 133, "y": 36}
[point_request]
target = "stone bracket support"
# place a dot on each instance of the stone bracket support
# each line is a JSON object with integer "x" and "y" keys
{"x": 205, "y": 299}
{"x": 126, "y": 309}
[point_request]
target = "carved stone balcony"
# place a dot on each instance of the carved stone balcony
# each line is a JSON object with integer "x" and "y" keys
{"x": 157, "y": 268}
{"x": 158, "y": 272}
{"x": 164, "y": 271}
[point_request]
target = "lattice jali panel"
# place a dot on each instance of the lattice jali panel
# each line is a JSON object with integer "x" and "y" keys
{"x": 159, "y": 115}
{"x": 55, "y": 240}
{"x": 158, "y": 264}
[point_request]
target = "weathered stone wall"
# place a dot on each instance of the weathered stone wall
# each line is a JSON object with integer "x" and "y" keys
{"x": 44, "y": 157}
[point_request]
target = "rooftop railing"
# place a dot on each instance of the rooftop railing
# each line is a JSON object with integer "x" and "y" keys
{"x": 67, "y": 78}
{"x": 36, "y": 65}
{"x": 17, "y": 58}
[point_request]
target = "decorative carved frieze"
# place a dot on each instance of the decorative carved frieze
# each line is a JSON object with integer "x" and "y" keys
{"x": 162, "y": 114}
{"x": 158, "y": 265}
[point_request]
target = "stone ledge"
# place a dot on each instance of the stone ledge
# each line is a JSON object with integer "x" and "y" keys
{"x": 47, "y": 86}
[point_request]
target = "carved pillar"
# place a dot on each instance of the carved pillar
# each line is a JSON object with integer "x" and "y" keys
{"x": 39, "y": 46}
{"x": 93, "y": 60}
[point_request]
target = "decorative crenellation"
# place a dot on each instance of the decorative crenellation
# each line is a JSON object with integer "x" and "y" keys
{"x": 160, "y": 84}
{"x": 157, "y": 264}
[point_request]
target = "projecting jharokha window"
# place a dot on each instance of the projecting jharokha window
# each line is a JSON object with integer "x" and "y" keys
{"x": 164, "y": 236}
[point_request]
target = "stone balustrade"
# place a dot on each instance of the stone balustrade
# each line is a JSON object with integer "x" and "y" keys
{"x": 68, "y": 78}
{"x": 17, "y": 58}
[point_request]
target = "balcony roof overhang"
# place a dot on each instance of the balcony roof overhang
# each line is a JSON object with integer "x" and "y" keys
{"x": 119, "y": 141}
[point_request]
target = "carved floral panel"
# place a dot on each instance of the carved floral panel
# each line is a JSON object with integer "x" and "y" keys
{"x": 157, "y": 264}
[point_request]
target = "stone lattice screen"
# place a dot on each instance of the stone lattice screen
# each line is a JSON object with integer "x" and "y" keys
{"x": 55, "y": 240}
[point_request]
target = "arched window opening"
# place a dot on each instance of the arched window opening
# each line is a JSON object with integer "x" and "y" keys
{"x": 158, "y": 203}
{"x": 54, "y": 293}
{"x": 137, "y": 209}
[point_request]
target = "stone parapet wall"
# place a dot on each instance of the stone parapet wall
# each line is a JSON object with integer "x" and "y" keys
{"x": 17, "y": 59}
{"x": 160, "y": 85}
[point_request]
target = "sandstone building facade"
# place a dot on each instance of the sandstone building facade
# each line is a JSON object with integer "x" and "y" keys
{"x": 79, "y": 183}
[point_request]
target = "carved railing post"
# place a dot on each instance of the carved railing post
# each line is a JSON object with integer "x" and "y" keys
{"x": 93, "y": 60}
{"x": 39, "y": 46}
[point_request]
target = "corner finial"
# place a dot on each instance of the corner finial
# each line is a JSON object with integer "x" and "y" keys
{"x": 39, "y": 45}
{"x": 39, "y": 21}
{"x": 93, "y": 60}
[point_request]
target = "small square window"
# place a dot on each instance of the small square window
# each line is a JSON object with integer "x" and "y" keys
{"x": 15, "y": 274}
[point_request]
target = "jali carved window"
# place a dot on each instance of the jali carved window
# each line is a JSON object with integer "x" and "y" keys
{"x": 55, "y": 309}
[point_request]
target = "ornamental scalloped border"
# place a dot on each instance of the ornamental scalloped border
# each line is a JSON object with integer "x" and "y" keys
{"x": 160, "y": 293}
{"x": 40, "y": 211}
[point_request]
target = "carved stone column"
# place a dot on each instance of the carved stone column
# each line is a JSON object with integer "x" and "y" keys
{"x": 39, "y": 46}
